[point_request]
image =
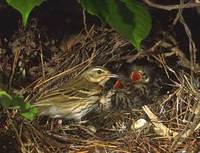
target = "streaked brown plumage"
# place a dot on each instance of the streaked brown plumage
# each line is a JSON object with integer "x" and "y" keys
{"x": 77, "y": 97}
{"x": 142, "y": 86}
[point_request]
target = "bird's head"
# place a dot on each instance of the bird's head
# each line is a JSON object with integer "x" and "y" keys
{"x": 140, "y": 75}
{"x": 98, "y": 75}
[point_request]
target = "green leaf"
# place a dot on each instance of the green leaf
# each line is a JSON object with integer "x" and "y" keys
{"x": 17, "y": 100}
{"x": 128, "y": 17}
{"x": 28, "y": 111}
{"x": 142, "y": 19}
{"x": 25, "y": 107}
{"x": 95, "y": 7}
{"x": 5, "y": 99}
{"x": 31, "y": 114}
{"x": 24, "y": 7}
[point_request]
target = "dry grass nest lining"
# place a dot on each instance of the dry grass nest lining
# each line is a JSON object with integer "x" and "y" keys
{"x": 172, "y": 121}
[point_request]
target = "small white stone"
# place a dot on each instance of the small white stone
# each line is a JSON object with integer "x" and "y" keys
{"x": 60, "y": 121}
{"x": 139, "y": 123}
{"x": 92, "y": 128}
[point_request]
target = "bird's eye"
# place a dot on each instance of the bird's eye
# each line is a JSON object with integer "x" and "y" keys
{"x": 99, "y": 71}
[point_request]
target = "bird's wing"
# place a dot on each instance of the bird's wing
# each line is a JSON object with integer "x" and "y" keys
{"x": 73, "y": 107}
{"x": 60, "y": 96}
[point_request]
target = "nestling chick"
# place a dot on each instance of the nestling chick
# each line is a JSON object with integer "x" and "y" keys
{"x": 142, "y": 87}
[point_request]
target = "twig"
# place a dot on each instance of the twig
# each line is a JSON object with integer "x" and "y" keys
{"x": 84, "y": 22}
{"x": 189, "y": 128}
{"x": 172, "y": 7}
{"x": 192, "y": 46}
{"x": 41, "y": 56}
{"x": 18, "y": 134}
{"x": 14, "y": 67}
{"x": 63, "y": 73}
{"x": 159, "y": 128}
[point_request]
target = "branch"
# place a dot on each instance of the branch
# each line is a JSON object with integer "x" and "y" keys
{"x": 172, "y": 7}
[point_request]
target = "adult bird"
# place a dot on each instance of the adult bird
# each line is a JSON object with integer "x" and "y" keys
{"x": 77, "y": 97}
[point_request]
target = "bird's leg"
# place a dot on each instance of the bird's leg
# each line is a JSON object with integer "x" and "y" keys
{"x": 52, "y": 123}
{"x": 55, "y": 123}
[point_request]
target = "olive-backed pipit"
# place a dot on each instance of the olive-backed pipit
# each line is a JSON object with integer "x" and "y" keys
{"x": 77, "y": 97}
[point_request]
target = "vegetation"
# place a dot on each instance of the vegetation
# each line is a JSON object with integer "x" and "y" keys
{"x": 129, "y": 18}
{"x": 153, "y": 46}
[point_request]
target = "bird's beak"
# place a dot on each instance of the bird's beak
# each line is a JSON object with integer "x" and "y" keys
{"x": 114, "y": 76}
{"x": 119, "y": 77}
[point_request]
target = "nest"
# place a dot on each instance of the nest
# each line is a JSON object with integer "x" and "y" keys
{"x": 172, "y": 120}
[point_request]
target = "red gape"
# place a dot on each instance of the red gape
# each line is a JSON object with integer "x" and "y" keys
{"x": 136, "y": 76}
{"x": 118, "y": 85}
